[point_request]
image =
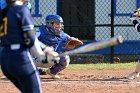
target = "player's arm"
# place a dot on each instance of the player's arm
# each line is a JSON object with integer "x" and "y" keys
{"x": 47, "y": 55}
{"x": 29, "y": 34}
{"x": 33, "y": 44}
{"x": 31, "y": 40}
{"x": 37, "y": 34}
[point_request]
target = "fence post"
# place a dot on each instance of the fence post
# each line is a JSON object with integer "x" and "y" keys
{"x": 112, "y": 30}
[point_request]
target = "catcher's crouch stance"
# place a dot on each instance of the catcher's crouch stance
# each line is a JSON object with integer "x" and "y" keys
{"x": 134, "y": 18}
{"x": 52, "y": 34}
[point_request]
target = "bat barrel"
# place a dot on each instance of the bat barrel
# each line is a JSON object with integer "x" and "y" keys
{"x": 119, "y": 39}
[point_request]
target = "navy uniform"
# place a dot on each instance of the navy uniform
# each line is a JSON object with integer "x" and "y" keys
{"x": 56, "y": 39}
{"x": 17, "y": 38}
{"x": 3, "y": 6}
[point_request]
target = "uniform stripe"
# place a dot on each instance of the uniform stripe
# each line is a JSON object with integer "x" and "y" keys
{"x": 37, "y": 75}
{"x": 27, "y": 28}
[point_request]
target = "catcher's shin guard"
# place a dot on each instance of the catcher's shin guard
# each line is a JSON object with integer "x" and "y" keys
{"x": 52, "y": 75}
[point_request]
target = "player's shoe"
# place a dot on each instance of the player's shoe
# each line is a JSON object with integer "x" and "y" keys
{"x": 42, "y": 71}
{"x": 133, "y": 75}
{"x": 52, "y": 75}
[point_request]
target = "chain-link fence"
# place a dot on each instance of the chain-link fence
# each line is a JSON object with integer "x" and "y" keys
{"x": 95, "y": 20}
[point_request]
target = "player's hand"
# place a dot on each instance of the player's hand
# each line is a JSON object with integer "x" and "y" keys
{"x": 41, "y": 58}
{"x": 51, "y": 56}
{"x": 48, "y": 59}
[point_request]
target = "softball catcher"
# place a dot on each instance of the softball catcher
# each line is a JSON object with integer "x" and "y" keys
{"x": 52, "y": 34}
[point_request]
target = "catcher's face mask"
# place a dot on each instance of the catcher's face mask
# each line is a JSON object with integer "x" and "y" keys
{"x": 57, "y": 26}
{"x": 55, "y": 22}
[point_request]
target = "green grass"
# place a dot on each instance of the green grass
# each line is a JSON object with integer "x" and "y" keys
{"x": 102, "y": 66}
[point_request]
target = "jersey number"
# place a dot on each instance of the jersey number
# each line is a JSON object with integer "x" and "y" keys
{"x": 3, "y": 27}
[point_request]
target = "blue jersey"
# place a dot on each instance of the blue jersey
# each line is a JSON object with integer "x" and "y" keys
{"x": 18, "y": 19}
{"x": 49, "y": 38}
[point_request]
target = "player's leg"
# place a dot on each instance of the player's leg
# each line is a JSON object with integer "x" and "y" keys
{"x": 0, "y": 53}
{"x": 54, "y": 70}
{"x": 31, "y": 83}
{"x": 11, "y": 78}
{"x": 28, "y": 76}
{"x": 22, "y": 67}
{"x": 6, "y": 62}
{"x": 135, "y": 74}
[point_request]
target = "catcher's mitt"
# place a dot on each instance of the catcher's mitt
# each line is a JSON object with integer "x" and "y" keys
{"x": 137, "y": 13}
{"x": 72, "y": 43}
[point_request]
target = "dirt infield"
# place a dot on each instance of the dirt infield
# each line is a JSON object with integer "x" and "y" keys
{"x": 83, "y": 81}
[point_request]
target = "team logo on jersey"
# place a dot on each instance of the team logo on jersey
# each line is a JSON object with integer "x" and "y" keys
{"x": 3, "y": 27}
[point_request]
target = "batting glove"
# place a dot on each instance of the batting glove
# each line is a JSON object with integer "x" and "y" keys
{"x": 52, "y": 56}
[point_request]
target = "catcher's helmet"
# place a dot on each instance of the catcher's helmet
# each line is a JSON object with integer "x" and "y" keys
{"x": 50, "y": 19}
{"x": 53, "y": 18}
